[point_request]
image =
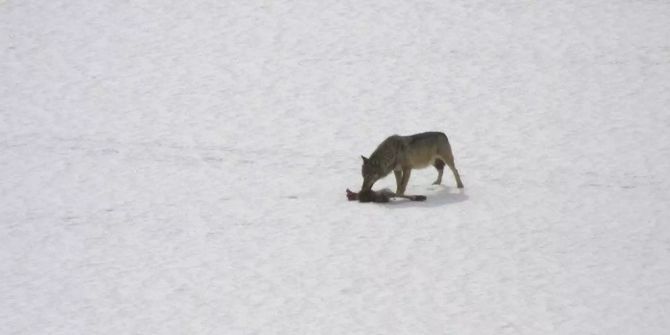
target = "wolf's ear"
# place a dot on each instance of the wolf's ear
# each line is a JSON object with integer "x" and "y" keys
{"x": 365, "y": 160}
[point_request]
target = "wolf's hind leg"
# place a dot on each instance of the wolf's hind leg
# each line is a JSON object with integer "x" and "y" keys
{"x": 448, "y": 158}
{"x": 439, "y": 165}
{"x": 452, "y": 166}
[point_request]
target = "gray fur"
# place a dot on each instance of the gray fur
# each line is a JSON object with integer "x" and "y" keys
{"x": 401, "y": 154}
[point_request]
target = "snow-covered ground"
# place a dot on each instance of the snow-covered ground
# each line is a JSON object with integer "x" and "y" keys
{"x": 179, "y": 167}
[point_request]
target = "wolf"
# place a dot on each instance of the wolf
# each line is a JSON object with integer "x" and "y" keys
{"x": 401, "y": 154}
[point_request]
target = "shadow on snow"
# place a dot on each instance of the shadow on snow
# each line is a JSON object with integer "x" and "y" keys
{"x": 442, "y": 196}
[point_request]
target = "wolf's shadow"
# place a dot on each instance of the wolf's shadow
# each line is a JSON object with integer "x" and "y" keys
{"x": 442, "y": 196}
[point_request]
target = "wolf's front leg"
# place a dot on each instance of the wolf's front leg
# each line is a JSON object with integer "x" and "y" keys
{"x": 398, "y": 179}
{"x": 405, "y": 179}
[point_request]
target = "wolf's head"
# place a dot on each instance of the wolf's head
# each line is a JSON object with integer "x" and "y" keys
{"x": 371, "y": 171}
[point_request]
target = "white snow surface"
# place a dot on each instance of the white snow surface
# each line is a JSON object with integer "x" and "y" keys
{"x": 179, "y": 167}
